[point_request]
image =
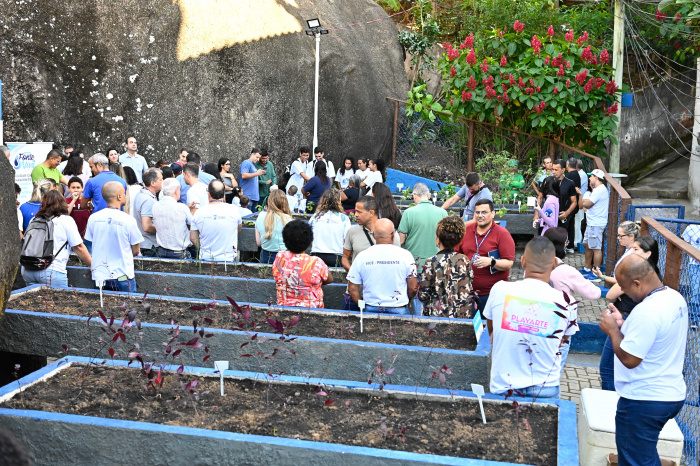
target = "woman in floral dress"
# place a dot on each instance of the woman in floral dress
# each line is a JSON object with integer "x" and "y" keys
{"x": 446, "y": 282}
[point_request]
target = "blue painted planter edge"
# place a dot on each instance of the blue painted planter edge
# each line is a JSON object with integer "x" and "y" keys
{"x": 567, "y": 451}
{"x": 483, "y": 347}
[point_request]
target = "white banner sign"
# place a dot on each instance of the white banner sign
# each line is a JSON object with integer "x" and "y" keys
{"x": 24, "y": 157}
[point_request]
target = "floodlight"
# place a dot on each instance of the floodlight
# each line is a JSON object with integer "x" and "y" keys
{"x": 309, "y": 32}
{"x": 313, "y": 23}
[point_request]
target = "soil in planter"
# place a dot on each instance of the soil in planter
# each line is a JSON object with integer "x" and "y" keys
{"x": 205, "y": 268}
{"x": 305, "y": 412}
{"x": 408, "y": 331}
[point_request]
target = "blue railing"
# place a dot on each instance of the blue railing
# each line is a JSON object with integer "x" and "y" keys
{"x": 673, "y": 211}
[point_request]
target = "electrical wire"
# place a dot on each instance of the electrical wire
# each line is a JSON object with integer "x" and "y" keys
{"x": 374, "y": 20}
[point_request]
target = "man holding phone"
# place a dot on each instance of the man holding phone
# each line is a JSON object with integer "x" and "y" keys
{"x": 248, "y": 179}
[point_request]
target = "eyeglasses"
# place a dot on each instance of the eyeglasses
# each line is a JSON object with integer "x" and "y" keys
{"x": 622, "y": 236}
{"x": 483, "y": 212}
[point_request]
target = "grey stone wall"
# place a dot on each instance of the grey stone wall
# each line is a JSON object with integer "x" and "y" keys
{"x": 220, "y": 78}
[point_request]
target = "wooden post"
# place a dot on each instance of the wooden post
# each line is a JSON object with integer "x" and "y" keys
{"x": 674, "y": 257}
{"x": 618, "y": 65}
{"x": 552, "y": 149}
{"x": 396, "y": 134}
{"x": 470, "y": 148}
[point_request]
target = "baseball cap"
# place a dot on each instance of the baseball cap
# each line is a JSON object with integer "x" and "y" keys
{"x": 598, "y": 173}
{"x": 177, "y": 168}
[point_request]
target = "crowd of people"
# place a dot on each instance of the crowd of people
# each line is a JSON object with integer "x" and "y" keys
{"x": 424, "y": 261}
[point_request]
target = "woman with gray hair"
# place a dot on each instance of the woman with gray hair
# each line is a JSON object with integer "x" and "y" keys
{"x": 31, "y": 207}
{"x": 350, "y": 196}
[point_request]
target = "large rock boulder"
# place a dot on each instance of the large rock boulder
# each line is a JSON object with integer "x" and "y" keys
{"x": 220, "y": 76}
{"x": 9, "y": 233}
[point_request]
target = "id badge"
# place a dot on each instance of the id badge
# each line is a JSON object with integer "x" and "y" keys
{"x": 475, "y": 257}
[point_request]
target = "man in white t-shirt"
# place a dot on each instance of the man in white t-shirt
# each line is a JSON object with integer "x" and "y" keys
{"x": 143, "y": 210}
{"x": 197, "y": 196}
{"x": 595, "y": 204}
{"x": 521, "y": 318}
{"x": 172, "y": 219}
{"x": 115, "y": 241}
{"x": 319, "y": 156}
{"x": 649, "y": 352}
{"x": 215, "y": 226}
{"x": 386, "y": 273}
{"x": 301, "y": 170}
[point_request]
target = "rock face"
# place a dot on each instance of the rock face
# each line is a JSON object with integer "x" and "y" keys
{"x": 218, "y": 76}
{"x": 9, "y": 233}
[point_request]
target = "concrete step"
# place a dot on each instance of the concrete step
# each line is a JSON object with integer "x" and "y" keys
{"x": 650, "y": 193}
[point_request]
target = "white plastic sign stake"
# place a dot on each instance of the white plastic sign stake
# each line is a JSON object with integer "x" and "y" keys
{"x": 100, "y": 284}
{"x": 531, "y": 201}
{"x": 221, "y": 366}
{"x": 361, "y": 305}
{"x": 400, "y": 186}
{"x": 479, "y": 392}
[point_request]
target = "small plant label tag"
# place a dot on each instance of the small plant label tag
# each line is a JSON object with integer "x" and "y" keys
{"x": 531, "y": 201}
{"x": 221, "y": 366}
{"x": 361, "y": 305}
{"x": 479, "y": 392}
{"x": 100, "y": 284}
{"x": 478, "y": 326}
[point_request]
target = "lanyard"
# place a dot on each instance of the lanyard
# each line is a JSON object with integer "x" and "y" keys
{"x": 476, "y": 239}
{"x": 657, "y": 290}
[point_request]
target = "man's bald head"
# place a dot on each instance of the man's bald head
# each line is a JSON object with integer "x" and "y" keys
{"x": 635, "y": 267}
{"x": 114, "y": 194}
{"x": 539, "y": 258}
{"x": 384, "y": 231}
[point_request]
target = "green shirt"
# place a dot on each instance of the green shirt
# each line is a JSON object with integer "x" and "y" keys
{"x": 42, "y": 171}
{"x": 418, "y": 224}
{"x": 264, "y": 188}
{"x": 513, "y": 183}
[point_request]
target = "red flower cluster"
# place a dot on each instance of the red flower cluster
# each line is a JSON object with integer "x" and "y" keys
{"x": 568, "y": 82}
{"x": 550, "y": 31}
{"x": 546, "y": 60}
{"x": 471, "y": 84}
{"x": 471, "y": 57}
{"x": 598, "y": 82}
{"x": 490, "y": 93}
{"x": 568, "y": 64}
{"x": 604, "y": 56}
{"x": 561, "y": 70}
{"x": 504, "y": 62}
{"x": 446, "y": 46}
{"x": 452, "y": 53}
{"x": 556, "y": 90}
{"x": 540, "y": 107}
{"x": 611, "y": 87}
{"x": 452, "y": 101}
{"x": 518, "y": 26}
{"x": 485, "y": 66}
{"x": 660, "y": 17}
{"x": 503, "y": 98}
{"x": 581, "y": 77}
{"x": 453, "y": 72}
{"x": 678, "y": 17}
{"x": 583, "y": 38}
{"x": 587, "y": 56}
{"x": 466, "y": 96}
{"x": 469, "y": 41}
{"x": 521, "y": 84}
{"x": 529, "y": 91}
{"x": 511, "y": 80}
{"x": 557, "y": 61}
{"x": 611, "y": 110}
{"x": 536, "y": 44}
{"x": 569, "y": 36}
{"x": 588, "y": 87}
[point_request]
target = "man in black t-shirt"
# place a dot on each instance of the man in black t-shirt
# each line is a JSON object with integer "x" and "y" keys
{"x": 567, "y": 194}
{"x": 573, "y": 175}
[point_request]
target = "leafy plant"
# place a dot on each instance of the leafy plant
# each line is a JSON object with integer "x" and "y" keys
{"x": 545, "y": 85}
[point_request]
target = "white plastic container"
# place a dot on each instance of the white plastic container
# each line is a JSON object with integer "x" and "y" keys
{"x": 596, "y": 430}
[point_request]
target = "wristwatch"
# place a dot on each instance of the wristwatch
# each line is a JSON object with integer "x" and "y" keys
{"x": 493, "y": 262}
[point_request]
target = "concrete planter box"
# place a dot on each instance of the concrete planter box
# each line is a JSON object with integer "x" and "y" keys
{"x": 42, "y": 334}
{"x": 206, "y": 286}
{"x": 81, "y": 439}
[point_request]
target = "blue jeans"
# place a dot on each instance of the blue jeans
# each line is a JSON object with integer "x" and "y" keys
{"x": 169, "y": 254}
{"x": 126, "y": 285}
{"x": 253, "y": 206}
{"x": 637, "y": 428}
{"x": 536, "y": 391}
{"x": 45, "y": 277}
{"x": 267, "y": 257}
{"x": 481, "y": 304}
{"x": 151, "y": 252}
{"x": 349, "y": 304}
{"x": 564, "y": 350}
{"x": 88, "y": 245}
{"x": 388, "y": 310}
{"x": 607, "y": 366}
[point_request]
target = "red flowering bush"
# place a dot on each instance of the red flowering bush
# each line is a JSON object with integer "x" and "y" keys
{"x": 552, "y": 85}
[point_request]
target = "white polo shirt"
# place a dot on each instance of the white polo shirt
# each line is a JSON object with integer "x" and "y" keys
{"x": 171, "y": 219}
{"x": 382, "y": 270}
{"x": 217, "y": 224}
{"x": 112, "y": 233}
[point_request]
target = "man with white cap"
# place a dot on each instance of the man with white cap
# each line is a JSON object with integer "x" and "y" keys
{"x": 595, "y": 204}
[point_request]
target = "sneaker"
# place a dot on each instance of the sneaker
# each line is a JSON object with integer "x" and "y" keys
{"x": 591, "y": 276}
{"x": 570, "y": 251}
{"x": 585, "y": 271}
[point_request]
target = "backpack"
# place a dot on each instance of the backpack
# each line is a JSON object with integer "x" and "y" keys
{"x": 37, "y": 246}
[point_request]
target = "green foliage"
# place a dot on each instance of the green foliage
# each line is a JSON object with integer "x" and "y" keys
{"x": 408, "y": 193}
{"x": 495, "y": 170}
{"x": 550, "y": 86}
{"x": 447, "y": 191}
{"x": 595, "y": 17}
{"x": 479, "y": 16}
{"x": 679, "y": 24}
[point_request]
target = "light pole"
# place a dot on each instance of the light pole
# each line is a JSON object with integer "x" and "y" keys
{"x": 316, "y": 30}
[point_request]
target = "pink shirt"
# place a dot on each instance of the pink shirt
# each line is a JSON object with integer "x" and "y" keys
{"x": 569, "y": 280}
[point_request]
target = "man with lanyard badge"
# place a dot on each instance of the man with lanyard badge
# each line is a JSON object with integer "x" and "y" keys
{"x": 491, "y": 250}
{"x": 476, "y": 191}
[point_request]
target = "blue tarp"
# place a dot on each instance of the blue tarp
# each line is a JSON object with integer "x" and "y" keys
{"x": 395, "y": 176}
